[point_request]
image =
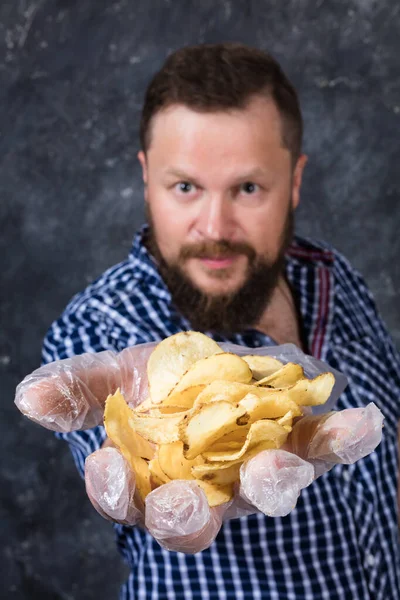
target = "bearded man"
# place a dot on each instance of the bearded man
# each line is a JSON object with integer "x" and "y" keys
{"x": 222, "y": 161}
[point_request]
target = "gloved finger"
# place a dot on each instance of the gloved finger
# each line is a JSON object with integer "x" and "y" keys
{"x": 339, "y": 437}
{"x": 69, "y": 394}
{"x": 110, "y": 485}
{"x": 273, "y": 479}
{"x": 133, "y": 372}
{"x": 179, "y": 517}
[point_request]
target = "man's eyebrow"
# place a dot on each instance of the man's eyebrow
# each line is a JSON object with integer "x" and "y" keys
{"x": 245, "y": 176}
{"x": 252, "y": 174}
{"x": 178, "y": 173}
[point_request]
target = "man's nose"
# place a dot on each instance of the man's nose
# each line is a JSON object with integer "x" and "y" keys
{"x": 215, "y": 220}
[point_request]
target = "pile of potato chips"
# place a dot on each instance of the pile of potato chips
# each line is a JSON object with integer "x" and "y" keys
{"x": 208, "y": 411}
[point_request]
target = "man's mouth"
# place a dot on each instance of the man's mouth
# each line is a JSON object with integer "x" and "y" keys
{"x": 218, "y": 262}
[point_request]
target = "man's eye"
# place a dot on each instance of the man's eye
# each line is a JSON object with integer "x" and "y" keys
{"x": 249, "y": 187}
{"x": 185, "y": 187}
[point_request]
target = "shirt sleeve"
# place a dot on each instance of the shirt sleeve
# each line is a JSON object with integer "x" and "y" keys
{"x": 77, "y": 331}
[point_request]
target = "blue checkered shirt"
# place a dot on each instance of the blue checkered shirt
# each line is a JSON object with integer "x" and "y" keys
{"x": 341, "y": 541}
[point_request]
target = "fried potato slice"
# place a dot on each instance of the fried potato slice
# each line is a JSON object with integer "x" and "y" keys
{"x": 225, "y": 366}
{"x": 183, "y": 399}
{"x": 218, "y": 473}
{"x": 262, "y": 435}
{"x": 287, "y": 376}
{"x": 262, "y": 366}
{"x": 120, "y": 429}
{"x": 204, "y": 425}
{"x": 142, "y": 476}
{"x": 287, "y": 420}
{"x": 173, "y": 462}
{"x": 173, "y": 357}
{"x": 158, "y": 429}
{"x": 233, "y": 440}
{"x": 157, "y": 474}
{"x": 216, "y": 494}
{"x": 270, "y": 405}
{"x": 144, "y": 406}
{"x": 312, "y": 392}
{"x": 229, "y": 391}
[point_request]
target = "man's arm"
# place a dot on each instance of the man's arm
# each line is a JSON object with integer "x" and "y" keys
{"x": 70, "y": 336}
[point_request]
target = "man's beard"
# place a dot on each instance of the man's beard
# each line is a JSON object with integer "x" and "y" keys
{"x": 224, "y": 313}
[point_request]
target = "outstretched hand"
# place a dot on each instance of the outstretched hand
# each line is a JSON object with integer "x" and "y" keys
{"x": 70, "y": 395}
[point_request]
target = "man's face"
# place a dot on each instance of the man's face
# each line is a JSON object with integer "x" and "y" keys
{"x": 220, "y": 193}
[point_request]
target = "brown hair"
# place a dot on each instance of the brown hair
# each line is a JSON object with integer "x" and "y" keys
{"x": 215, "y": 77}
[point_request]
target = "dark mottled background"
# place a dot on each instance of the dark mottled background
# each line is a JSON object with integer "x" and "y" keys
{"x": 72, "y": 79}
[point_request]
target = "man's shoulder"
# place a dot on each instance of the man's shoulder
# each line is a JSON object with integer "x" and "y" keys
{"x": 348, "y": 281}
{"x": 110, "y": 313}
{"x": 318, "y": 252}
{"x": 122, "y": 299}
{"x": 121, "y": 279}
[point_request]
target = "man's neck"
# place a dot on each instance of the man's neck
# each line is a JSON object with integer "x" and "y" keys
{"x": 280, "y": 319}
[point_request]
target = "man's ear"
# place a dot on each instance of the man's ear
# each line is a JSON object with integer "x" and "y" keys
{"x": 297, "y": 178}
{"x": 143, "y": 163}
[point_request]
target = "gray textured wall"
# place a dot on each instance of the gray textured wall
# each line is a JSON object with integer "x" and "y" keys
{"x": 72, "y": 78}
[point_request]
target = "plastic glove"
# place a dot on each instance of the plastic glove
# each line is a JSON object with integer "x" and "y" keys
{"x": 70, "y": 394}
{"x": 178, "y": 515}
{"x": 272, "y": 480}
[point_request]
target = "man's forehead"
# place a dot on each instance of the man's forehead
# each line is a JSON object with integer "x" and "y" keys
{"x": 259, "y": 118}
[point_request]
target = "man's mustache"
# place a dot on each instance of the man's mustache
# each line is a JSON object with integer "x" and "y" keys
{"x": 216, "y": 249}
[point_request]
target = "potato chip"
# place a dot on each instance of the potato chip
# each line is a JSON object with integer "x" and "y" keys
{"x": 144, "y": 406}
{"x": 225, "y": 366}
{"x": 216, "y": 494}
{"x": 158, "y": 429}
{"x": 157, "y": 474}
{"x": 262, "y": 435}
{"x": 173, "y": 462}
{"x": 217, "y": 473}
{"x": 183, "y": 399}
{"x": 228, "y": 391}
{"x": 119, "y": 429}
{"x": 233, "y": 440}
{"x": 173, "y": 357}
{"x": 142, "y": 476}
{"x": 204, "y": 425}
{"x": 262, "y": 366}
{"x": 233, "y": 392}
{"x": 287, "y": 420}
{"x": 285, "y": 377}
{"x": 312, "y": 392}
{"x": 272, "y": 404}
{"x": 168, "y": 410}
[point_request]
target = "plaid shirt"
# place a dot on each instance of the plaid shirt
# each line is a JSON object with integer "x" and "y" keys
{"x": 341, "y": 541}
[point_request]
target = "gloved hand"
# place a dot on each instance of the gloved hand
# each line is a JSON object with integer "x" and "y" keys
{"x": 68, "y": 395}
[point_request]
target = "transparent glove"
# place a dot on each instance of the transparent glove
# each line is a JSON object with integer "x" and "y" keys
{"x": 70, "y": 394}
{"x": 272, "y": 480}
